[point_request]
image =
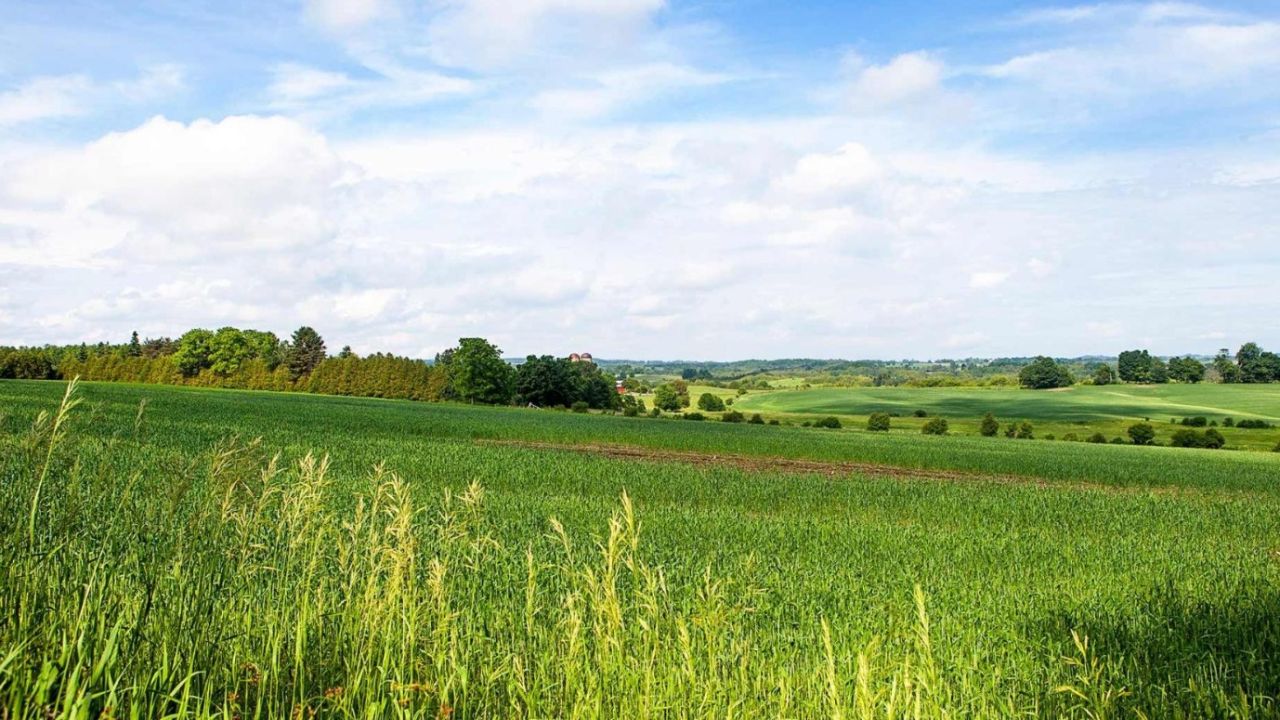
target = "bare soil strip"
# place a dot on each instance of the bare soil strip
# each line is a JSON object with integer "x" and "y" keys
{"x": 755, "y": 463}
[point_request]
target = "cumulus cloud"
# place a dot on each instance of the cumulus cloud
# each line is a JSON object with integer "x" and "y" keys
{"x": 905, "y": 77}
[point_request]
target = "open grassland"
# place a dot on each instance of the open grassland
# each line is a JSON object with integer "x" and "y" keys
{"x": 159, "y": 562}
{"x": 1080, "y": 409}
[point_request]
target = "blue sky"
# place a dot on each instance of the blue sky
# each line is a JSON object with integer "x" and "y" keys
{"x": 645, "y": 178}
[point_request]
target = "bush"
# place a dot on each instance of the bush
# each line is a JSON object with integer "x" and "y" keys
{"x": 1117, "y": 441}
{"x": 756, "y": 420}
{"x": 1228, "y": 422}
{"x": 1025, "y": 431}
{"x": 630, "y": 411}
{"x": 1197, "y": 421}
{"x": 1050, "y": 437}
{"x": 1097, "y": 438}
{"x": 831, "y": 423}
{"x": 1276, "y": 448}
{"x": 694, "y": 416}
{"x": 1254, "y": 425}
{"x": 733, "y": 416}
{"x": 1142, "y": 433}
{"x": 921, "y": 413}
{"x": 936, "y": 426}
{"x": 774, "y": 422}
{"x": 580, "y": 406}
{"x": 1210, "y": 439}
{"x": 878, "y": 422}
{"x": 990, "y": 427}
{"x": 655, "y": 413}
{"x": 1070, "y": 437}
{"x": 710, "y": 403}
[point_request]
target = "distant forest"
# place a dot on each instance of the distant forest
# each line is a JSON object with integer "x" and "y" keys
{"x": 475, "y": 371}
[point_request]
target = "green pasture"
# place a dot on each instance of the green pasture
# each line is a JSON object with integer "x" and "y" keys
{"x": 156, "y": 562}
{"x": 1080, "y": 409}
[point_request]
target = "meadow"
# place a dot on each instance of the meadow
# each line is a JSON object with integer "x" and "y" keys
{"x": 1081, "y": 409}
{"x": 176, "y": 552}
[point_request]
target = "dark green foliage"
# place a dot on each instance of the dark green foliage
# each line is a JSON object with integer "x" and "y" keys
{"x": 1070, "y": 437}
{"x": 192, "y": 354}
{"x": 989, "y": 427}
{"x": 694, "y": 416}
{"x": 1186, "y": 370}
{"x": 1097, "y": 438}
{"x": 710, "y": 403}
{"x": 1135, "y": 366}
{"x": 135, "y": 346}
{"x": 1104, "y": 374}
{"x": 1142, "y": 433}
{"x": 27, "y": 364}
{"x": 1025, "y": 431}
{"x": 1251, "y": 424}
{"x": 580, "y": 406}
{"x": 666, "y": 398}
{"x": 878, "y": 422}
{"x": 774, "y": 421}
{"x": 921, "y": 413}
{"x": 1044, "y": 373}
{"x": 1228, "y": 422}
{"x": 1188, "y": 438}
{"x": 733, "y": 416}
{"x": 1225, "y": 366}
{"x": 755, "y": 420}
{"x": 479, "y": 374}
{"x": 1117, "y": 441}
{"x": 831, "y": 423}
{"x": 1197, "y": 421}
{"x": 306, "y": 351}
{"x": 545, "y": 381}
{"x": 935, "y": 426}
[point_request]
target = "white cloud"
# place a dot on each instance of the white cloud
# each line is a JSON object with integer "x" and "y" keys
{"x": 348, "y": 14}
{"x": 987, "y": 279}
{"x": 850, "y": 167}
{"x": 607, "y": 92}
{"x": 905, "y": 77}
{"x": 44, "y": 98}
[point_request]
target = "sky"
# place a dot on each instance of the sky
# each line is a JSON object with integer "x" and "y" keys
{"x": 645, "y": 179}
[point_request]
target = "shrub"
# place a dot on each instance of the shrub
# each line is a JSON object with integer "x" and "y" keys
{"x": 1070, "y": 437}
{"x": 878, "y": 422}
{"x": 655, "y": 412}
{"x": 1011, "y": 431}
{"x": 806, "y": 423}
{"x": 1228, "y": 422}
{"x": 756, "y": 420}
{"x": 1098, "y": 438}
{"x": 831, "y": 423}
{"x": 1254, "y": 425}
{"x": 728, "y": 401}
{"x": 694, "y": 416}
{"x": 1117, "y": 441}
{"x": 630, "y": 411}
{"x": 990, "y": 427}
{"x": 1197, "y": 421}
{"x": 733, "y": 416}
{"x": 580, "y": 406}
{"x": 921, "y": 413}
{"x": 1050, "y": 437}
{"x": 710, "y": 403}
{"x": 1142, "y": 433}
{"x": 774, "y": 422}
{"x": 1210, "y": 439}
{"x": 1025, "y": 431}
{"x": 936, "y": 426}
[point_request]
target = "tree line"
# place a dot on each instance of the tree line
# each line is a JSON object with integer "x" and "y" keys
{"x": 1250, "y": 364}
{"x": 473, "y": 371}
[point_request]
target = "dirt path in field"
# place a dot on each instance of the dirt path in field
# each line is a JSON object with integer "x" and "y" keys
{"x": 756, "y": 463}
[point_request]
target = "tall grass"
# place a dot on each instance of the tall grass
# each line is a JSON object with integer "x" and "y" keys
{"x": 140, "y": 582}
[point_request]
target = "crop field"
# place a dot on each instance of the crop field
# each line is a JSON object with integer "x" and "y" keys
{"x": 1080, "y": 409}
{"x": 174, "y": 552}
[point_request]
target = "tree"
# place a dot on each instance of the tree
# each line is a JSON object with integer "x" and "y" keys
{"x": 265, "y": 346}
{"x": 480, "y": 375}
{"x": 1228, "y": 371}
{"x": 1142, "y": 433}
{"x": 1186, "y": 370}
{"x": 192, "y": 353}
{"x": 346, "y": 352}
{"x": 935, "y": 426}
{"x": 1135, "y": 366}
{"x": 1104, "y": 374}
{"x": 1044, "y": 373}
{"x": 666, "y": 398}
{"x": 990, "y": 426}
{"x": 228, "y": 350}
{"x": 710, "y": 403}
{"x": 879, "y": 422}
{"x": 305, "y": 352}
{"x": 1159, "y": 371}
{"x": 135, "y": 345}
{"x": 545, "y": 381}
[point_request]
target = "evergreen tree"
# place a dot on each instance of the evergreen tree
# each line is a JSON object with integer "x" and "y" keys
{"x": 306, "y": 351}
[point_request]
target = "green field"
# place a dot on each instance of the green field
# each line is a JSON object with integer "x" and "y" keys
{"x": 150, "y": 565}
{"x": 1081, "y": 409}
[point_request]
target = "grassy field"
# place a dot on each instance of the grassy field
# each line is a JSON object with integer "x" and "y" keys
{"x": 1080, "y": 409}
{"x": 158, "y": 562}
